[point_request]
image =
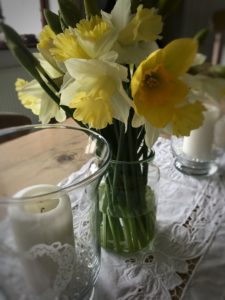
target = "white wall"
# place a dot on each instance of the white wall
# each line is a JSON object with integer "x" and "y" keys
{"x": 23, "y": 15}
{"x": 10, "y": 70}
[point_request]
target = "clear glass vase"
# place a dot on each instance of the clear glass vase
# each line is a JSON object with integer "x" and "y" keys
{"x": 128, "y": 201}
{"x": 49, "y": 220}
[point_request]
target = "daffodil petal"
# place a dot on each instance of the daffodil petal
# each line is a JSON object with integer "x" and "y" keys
{"x": 135, "y": 52}
{"x": 121, "y": 104}
{"x": 66, "y": 46}
{"x": 151, "y": 135}
{"x": 120, "y": 13}
{"x": 109, "y": 56}
{"x": 145, "y": 25}
{"x": 187, "y": 118}
{"x": 159, "y": 116}
{"x": 94, "y": 111}
{"x": 96, "y": 36}
{"x": 68, "y": 92}
{"x": 179, "y": 55}
{"x": 50, "y": 109}
{"x": 137, "y": 121}
{"x": 29, "y": 87}
{"x": 60, "y": 115}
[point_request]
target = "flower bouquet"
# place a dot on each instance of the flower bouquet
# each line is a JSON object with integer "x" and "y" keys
{"x": 107, "y": 72}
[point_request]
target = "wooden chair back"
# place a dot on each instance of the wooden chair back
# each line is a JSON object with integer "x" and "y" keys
{"x": 12, "y": 120}
{"x": 218, "y": 28}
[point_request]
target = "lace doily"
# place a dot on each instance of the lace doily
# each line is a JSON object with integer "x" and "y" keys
{"x": 189, "y": 213}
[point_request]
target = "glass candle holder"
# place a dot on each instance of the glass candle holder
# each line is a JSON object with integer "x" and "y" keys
{"x": 49, "y": 222}
{"x": 198, "y": 154}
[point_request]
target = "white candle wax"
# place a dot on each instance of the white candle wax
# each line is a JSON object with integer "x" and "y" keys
{"x": 199, "y": 144}
{"x": 220, "y": 133}
{"x": 43, "y": 220}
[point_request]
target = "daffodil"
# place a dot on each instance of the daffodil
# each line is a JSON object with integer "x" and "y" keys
{"x": 95, "y": 36}
{"x": 145, "y": 25}
{"x": 33, "y": 97}
{"x": 206, "y": 86}
{"x": 102, "y": 97}
{"x": 66, "y": 46}
{"x": 160, "y": 96}
{"x": 29, "y": 101}
{"x": 137, "y": 32}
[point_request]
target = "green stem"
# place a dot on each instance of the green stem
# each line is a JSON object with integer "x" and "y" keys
{"x": 114, "y": 235}
{"x": 104, "y": 234}
{"x": 133, "y": 232}
{"x": 119, "y": 152}
{"x": 126, "y": 230}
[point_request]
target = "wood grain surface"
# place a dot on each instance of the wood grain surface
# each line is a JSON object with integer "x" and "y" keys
{"x": 45, "y": 156}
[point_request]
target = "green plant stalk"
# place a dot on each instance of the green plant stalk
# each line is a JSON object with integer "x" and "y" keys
{"x": 120, "y": 150}
{"x": 125, "y": 222}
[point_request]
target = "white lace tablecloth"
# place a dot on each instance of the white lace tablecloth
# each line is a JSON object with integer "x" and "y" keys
{"x": 187, "y": 258}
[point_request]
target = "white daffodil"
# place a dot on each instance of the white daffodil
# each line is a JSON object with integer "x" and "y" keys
{"x": 33, "y": 97}
{"x": 96, "y": 93}
{"x": 205, "y": 86}
{"x": 137, "y": 33}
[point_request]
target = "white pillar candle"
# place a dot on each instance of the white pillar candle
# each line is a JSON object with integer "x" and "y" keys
{"x": 220, "y": 133}
{"x": 199, "y": 144}
{"x": 41, "y": 220}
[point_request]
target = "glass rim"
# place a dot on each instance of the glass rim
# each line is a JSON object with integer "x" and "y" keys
{"x": 5, "y": 200}
{"x": 149, "y": 158}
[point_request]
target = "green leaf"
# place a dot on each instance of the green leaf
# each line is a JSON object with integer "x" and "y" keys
{"x": 15, "y": 42}
{"x": 69, "y": 12}
{"x": 53, "y": 21}
{"x": 91, "y": 8}
{"x": 202, "y": 35}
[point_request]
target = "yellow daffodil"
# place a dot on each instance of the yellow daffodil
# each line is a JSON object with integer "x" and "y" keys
{"x": 102, "y": 97}
{"x": 66, "y": 46}
{"x": 137, "y": 33}
{"x": 159, "y": 95}
{"x": 33, "y": 97}
{"x": 96, "y": 36}
{"x": 186, "y": 118}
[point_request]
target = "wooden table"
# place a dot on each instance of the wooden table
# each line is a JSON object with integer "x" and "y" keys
{"x": 45, "y": 156}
